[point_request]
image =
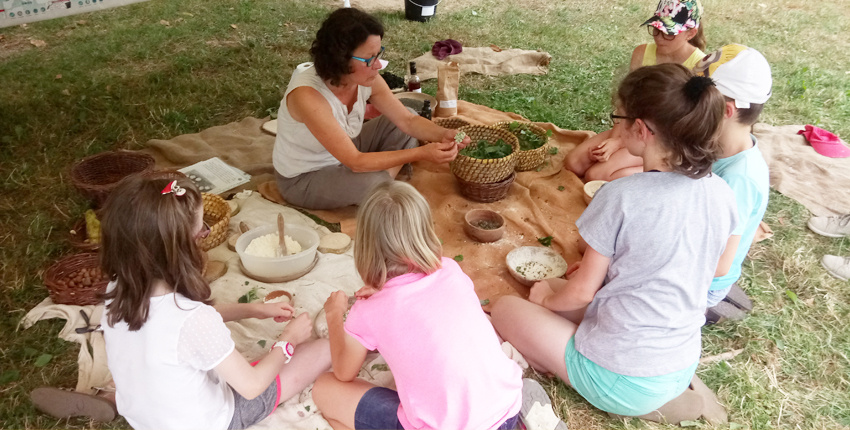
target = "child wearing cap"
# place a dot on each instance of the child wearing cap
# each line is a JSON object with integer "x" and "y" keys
{"x": 742, "y": 75}
{"x": 679, "y": 38}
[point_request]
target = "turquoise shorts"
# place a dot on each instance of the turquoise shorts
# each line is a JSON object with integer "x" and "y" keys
{"x": 620, "y": 394}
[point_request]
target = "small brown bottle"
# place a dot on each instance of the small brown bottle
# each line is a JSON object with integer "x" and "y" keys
{"x": 426, "y": 110}
{"x": 413, "y": 83}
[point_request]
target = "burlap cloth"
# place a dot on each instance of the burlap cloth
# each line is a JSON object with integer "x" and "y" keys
{"x": 486, "y": 61}
{"x": 534, "y": 208}
{"x": 820, "y": 183}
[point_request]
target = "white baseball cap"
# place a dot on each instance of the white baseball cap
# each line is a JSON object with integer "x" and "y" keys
{"x": 740, "y": 73}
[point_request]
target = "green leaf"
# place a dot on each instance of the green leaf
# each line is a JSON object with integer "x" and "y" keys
{"x": 687, "y": 423}
{"x": 262, "y": 343}
{"x": 735, "y": 426}
{"x": 458, "y": 257}
{"x": 8, "y": 376}
{"x": 780, "y": 344}
{"x": 30, "y": 352}
{"x": 19, "y": 131}
{"x": 485, "y": 302}
{"x": 246, "y": 282}
{"x": 307, "y": 407}
{"x": 42, "y": 360}
{"x": 793, "y": 296}
{"x": 553, "y": 150}
{"x": 513, "y": 126}
{"x": 545, "y": 241}
{"x": 243, "y": 298}
{"x": 560, "y": 188}
{"x": 383, "y": 367}
{"x": 549, "y": 134}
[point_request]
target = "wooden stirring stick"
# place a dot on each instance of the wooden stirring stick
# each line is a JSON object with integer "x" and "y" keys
{"x": 282, "y": 241}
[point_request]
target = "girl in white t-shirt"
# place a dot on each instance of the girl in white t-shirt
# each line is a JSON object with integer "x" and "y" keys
{"x": 170, "y": 354}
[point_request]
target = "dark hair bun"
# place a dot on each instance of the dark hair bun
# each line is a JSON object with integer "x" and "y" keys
{"x": 697, "y": 85}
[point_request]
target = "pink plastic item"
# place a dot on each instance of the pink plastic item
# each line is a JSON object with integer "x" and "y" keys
{"x": 825, "y": 143}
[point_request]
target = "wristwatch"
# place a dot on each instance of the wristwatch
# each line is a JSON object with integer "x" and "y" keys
{"x": 286, "y": 347}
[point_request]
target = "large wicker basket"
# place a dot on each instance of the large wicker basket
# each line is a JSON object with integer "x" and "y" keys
{"x": 58, "y": 277}
{"x": 528, "y": 160}
{"x": 485, "y": 171}
{"x": 486, "y": 193}
{"x": 97, "y": 175}
{"x": 451, "y": 123}
{"x": 164, "y": 174}
{"x": 217, "y": 216}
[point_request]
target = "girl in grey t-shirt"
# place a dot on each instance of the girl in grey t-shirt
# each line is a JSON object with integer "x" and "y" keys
{"x": 624, "y": 328}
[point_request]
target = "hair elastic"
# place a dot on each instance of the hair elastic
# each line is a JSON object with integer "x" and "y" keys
{"x": 172, "y": 187}
{"x": 696, "y": 86}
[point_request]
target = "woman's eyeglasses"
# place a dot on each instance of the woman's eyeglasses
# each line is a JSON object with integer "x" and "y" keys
{"x": 656, "y": 32}
{"x": 371, "y": 60}
{"x": 615, "y": 119}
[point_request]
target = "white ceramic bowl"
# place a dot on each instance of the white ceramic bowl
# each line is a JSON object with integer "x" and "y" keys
{"x": 591, "y": 188}
{"x": 279, "y": 267}
{"x": 529, "y": 264}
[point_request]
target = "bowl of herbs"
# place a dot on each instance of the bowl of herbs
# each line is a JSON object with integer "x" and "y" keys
{"x": 533, "y": 143}
{"x": 489, "y": 158}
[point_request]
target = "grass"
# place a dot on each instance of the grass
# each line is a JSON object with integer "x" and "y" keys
{"x": 163, "y": 68}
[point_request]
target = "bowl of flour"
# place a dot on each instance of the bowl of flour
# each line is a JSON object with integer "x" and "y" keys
{"x": 529, "y": 264}
{"x": 257, "y": 248}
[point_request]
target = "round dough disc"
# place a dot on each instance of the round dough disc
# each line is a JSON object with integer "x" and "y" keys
{"x": 334, "y": 243}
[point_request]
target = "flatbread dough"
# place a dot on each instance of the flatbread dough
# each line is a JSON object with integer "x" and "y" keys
{"x": 334, "y": 243}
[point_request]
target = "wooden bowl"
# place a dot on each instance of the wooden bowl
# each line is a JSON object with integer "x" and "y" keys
{"x": 484, "y": 225}
{"x": 278, "y": 296}
{"x": 591, "y": 188}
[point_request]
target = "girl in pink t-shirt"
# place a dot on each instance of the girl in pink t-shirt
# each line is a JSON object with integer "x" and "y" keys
{"x": 420, "y": 311}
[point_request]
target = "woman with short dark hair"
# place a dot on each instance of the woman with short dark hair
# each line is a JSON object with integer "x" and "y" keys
{"x": 324, "y": 156}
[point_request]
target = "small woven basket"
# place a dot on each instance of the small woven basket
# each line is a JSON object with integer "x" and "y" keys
{"x": 486, "y": 193}
{"x": 528, "y": 160}
{"x": 78, "y": 237}
{"x": 485, "y": 171}
{"x": 217, "y": 215}
{"x": 451, "y": 123}
{"x": 97, "y": 175}
{"x": 58, "y": 277}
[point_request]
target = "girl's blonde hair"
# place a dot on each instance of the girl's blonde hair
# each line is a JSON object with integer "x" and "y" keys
{"x": 395, "y": 235}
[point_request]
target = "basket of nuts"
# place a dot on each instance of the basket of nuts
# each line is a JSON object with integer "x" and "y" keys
{"x": 76, "y": 280}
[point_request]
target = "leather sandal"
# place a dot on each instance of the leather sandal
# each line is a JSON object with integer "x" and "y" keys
{"x": 62, "y": 404}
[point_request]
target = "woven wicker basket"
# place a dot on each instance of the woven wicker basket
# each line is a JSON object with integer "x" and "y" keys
{"x": 217, "y": 215}
{"x": 97, "y": 175}
{"x": 78, "y": 237}
{"x": 164, "y": 174}
{"x": 528, "y": 160}
{"x": 486, "y": 193}
{"x": 485, "y": 171}
{"x": 451, "y": 123}
{"x": 58, "y": 276}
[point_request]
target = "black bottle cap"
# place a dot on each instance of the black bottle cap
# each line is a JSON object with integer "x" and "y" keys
{"x": 412, "y": 67}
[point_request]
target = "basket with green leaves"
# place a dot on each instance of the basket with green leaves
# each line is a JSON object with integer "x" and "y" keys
{"x": 490, "y": 156}
{"x": 533, "y": 143}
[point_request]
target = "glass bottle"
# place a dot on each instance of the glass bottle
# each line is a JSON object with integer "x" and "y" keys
{"x": 413, "y": 83}
{"x": 426, "y": 110}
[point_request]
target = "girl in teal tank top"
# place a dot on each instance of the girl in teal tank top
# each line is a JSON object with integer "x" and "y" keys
{"x": 678, "y": 38}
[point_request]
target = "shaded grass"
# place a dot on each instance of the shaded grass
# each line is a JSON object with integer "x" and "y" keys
{"x": 126, "y": 78}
